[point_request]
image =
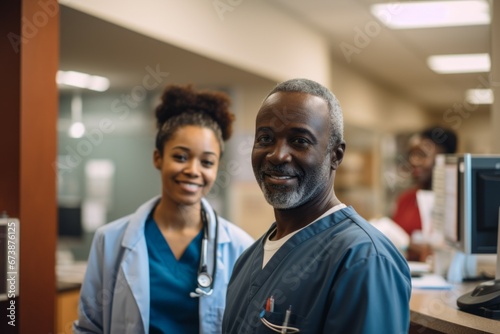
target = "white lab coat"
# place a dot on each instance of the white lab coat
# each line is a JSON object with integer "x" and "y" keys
{"x": 115, "y": 292}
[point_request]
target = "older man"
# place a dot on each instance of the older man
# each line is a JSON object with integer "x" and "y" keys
{"x": 320, "y": 268}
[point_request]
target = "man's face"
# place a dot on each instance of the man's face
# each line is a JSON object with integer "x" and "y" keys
{"x": 290, "y": 156}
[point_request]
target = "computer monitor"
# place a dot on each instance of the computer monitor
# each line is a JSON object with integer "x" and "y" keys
{"x": 467, "y": 200}
{"x": 70, "y": 222}
{"x": 467, "y": 210}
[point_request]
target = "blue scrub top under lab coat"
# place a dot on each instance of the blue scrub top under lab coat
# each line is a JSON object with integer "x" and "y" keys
{"x": 171, "y": 281}
{"x": 338, "y": 275}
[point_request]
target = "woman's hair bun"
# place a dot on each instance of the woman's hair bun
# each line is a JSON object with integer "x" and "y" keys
{"x": 177, "y": 100}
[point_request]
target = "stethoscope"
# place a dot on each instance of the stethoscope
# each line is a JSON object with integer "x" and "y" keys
{"x": 204, "y": 280}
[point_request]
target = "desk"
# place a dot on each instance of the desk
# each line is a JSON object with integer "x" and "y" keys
{"x": 436, "y": 311}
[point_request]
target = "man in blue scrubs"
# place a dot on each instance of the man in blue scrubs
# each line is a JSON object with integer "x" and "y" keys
{"x": 320, "y": 268}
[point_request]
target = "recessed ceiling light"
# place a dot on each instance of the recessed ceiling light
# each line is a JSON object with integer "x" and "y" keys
{"x": 465, "y": 63}
{"x": 479, "y": 96}
{"x": 76, "y": 130}
{"x": 82, "y": 80}
{"x": 428, "y": 14}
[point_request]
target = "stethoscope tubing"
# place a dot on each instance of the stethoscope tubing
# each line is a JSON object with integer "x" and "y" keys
{"x": 203, "y": 266}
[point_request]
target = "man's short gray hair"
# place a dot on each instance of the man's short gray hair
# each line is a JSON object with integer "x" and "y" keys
{"x": 313, "y": 88}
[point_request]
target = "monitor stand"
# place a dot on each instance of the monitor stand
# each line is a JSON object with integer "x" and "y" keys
{"x": 484, "y": 300}
{"x": 462, "y": 267}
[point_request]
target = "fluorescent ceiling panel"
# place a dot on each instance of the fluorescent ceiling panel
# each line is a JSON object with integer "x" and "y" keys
{"x": 82, "y": 80}
{"x": 465, "y": 63}
{"x": 428, "y": 14}
{"x": 479, "y": 96}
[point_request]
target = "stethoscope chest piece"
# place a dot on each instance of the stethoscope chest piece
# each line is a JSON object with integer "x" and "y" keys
{"x": 204, "y": 280}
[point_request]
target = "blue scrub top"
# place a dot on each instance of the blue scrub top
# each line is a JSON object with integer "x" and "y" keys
{"x": 172, "y": 310}
{"x": 337, "y": 275}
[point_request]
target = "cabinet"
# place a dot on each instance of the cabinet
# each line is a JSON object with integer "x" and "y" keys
{"x": 66, "y": 310}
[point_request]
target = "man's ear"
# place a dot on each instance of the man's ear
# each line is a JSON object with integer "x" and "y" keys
{"x": 157, "y": 159}
{"x": 337, "y": 155}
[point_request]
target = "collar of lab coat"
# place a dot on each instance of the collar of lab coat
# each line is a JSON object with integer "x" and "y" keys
{"x": 135, "y": 230}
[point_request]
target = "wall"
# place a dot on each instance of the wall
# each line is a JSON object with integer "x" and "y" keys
{"x": 473, "y": 134}
{"x": 126, "y": 138}
{"x": 275, "y": 45}
{"x": 123, "y": 136}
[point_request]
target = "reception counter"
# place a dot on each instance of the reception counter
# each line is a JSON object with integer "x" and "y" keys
{"x": 436, "y": 311}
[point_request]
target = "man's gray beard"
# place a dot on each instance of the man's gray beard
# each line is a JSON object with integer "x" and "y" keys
{"x": 289, "y": 199}
{"x": 284, "y": 199}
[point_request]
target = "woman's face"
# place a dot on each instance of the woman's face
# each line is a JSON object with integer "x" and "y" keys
{"x": 422, "y": 154}
{"x": 188, "y": 164}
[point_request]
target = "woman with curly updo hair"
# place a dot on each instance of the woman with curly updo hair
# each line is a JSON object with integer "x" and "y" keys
{"x": 165, "y": 268}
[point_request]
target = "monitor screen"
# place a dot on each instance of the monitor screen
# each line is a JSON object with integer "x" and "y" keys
{"x": 70, "y": 222}
{"x": 485, "y": 207}
{"x": 467, "y": 203}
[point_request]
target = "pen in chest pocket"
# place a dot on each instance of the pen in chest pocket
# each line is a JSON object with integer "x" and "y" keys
{"x": 270, "y": 304}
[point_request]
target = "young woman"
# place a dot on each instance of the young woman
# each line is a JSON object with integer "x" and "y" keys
{"x": 423, "y": 149}
{"x": 165, "y": 268}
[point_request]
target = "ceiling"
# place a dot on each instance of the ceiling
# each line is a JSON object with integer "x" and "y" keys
{"x": 393, "y": 59}
{"x": 91, "y": 45}
{"x": 396, "y": 58}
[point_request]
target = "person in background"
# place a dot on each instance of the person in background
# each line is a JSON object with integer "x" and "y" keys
{"x": 320, "y": 268}
{"x": 165, "y": 268}
{"x": 423, "y": 148}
